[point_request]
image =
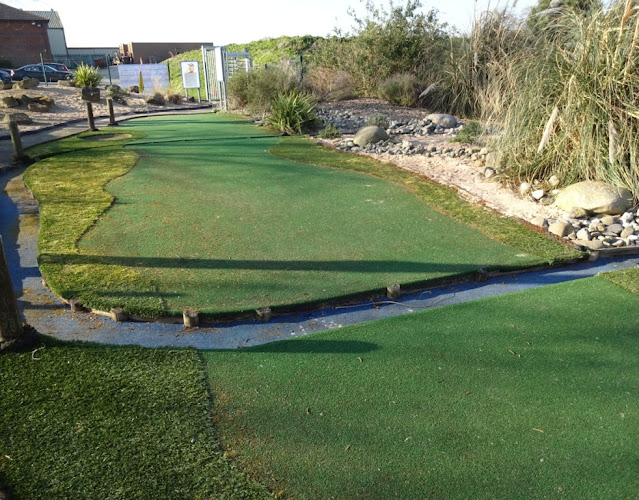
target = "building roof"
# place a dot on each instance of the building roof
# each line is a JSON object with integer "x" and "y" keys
{"x": 51, "y": 15}
{"x": 8, "y": 13}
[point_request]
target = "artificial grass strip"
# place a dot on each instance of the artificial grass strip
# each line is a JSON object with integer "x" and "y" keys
{"x": 70, "y": 190}
{"x": 81, "y": 421}
{"x": 529, "y": 395}
{"x": 628, "y": 279}
{"x": 498, "y": 227}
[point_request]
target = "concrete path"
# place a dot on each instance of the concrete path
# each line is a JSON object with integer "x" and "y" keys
{"x": 40, "y": 309}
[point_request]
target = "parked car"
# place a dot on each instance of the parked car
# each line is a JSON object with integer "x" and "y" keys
{"x": 5, "y": 75}
{"x": 35, "y": 71}
{"x": 58, "y": 66}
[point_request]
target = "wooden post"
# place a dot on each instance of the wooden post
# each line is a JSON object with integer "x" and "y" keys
{"x": 90, "y": 119}
{"x": 393, "y": 292}
{"x": 76, "y": 305}
{"x": 118, "y": 314}
{"x": 191, "y": 318}
{"x": 264, "y": 314}
{"x": 10, "y": 324}
{"x": 481, "y": 275}
{"x": 112, "y": 121}
{"x": 18, "y": 152}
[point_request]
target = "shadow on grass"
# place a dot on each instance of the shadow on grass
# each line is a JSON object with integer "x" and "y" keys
{"x": 355, "y": 266}
{"x": 309, "y": 346}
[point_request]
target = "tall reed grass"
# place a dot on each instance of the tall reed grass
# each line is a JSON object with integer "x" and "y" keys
{"x": 573, "y": 109}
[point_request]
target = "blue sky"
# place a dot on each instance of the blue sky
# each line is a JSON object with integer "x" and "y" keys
{"x": 107, "y": 24}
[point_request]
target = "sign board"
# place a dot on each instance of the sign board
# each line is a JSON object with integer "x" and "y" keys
{"x": 190, "y": 74}
{"x": 155, "y": 76}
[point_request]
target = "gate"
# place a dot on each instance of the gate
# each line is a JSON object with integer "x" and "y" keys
{"x": 219, "y": 66}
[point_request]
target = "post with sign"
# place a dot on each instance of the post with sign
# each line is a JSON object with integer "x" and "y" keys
{"x": 191, "y": 77}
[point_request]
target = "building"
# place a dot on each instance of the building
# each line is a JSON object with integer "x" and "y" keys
{"x": 136, "y": 52}
{"x": 23, "y": 37}
{"x": 55, "y": 30}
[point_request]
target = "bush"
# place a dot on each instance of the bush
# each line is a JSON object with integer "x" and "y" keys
{"x": 401, "y": 39}
{"x": 174, "y": 97}
{"x": 116, "y": 93}
{"x": 292, "y": 113}
{"x": 401, "y": 89}
{"x": 87, "y": 76}
{"x": 237, "y": 89}
{"x": 470, "y": 81}
{"x": 330, "y": 131}
{"x": 256, "y": 90}
{"x": 328, "y": 84}
{"x": 378, "y": 119}
{"x": 469, "y": 133}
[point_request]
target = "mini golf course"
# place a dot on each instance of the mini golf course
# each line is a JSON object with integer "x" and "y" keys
{"x": 213, "y": 213}
{"x": 529, "y": 395}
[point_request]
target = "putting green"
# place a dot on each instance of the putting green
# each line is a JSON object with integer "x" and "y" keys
{"x": 216, "y": 222}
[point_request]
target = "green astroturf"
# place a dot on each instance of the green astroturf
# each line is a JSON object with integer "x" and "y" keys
{"x": 89, "y": 422}
{"x": 530, "y": 395}
{"x": 216, "y": 222}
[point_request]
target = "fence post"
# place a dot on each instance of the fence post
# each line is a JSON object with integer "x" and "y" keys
{"x": 14, "y": 132}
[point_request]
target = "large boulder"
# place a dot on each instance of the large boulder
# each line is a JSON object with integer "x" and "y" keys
{"x": 595, "y": 197}
{"x": 29, "y": 83}
{"x": 370, "y": 135}
{"x": 443, "y": 120}
{"x": 6, "y": 85}
{"x": 66, "y": 83}
{"x": 19, "y": 118}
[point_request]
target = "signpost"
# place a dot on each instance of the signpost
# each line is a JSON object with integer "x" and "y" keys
{"x": 191, "y": 77}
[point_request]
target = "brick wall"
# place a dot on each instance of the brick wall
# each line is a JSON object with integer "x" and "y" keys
{"x": 22, "y": 43}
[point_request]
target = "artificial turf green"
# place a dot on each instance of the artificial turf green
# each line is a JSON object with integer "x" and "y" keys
{"x": 81, "y": 421}
{"x": 529, "y": 395}
{"x": 213, "y": 221}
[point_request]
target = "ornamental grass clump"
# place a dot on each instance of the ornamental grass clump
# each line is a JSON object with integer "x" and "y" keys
{"x": 293, "y": 112}
{"x": 574, "y": 112}
{"x": 87, "y": 76}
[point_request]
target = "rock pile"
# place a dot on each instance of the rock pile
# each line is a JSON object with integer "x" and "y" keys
{"x": 596, "y": 233}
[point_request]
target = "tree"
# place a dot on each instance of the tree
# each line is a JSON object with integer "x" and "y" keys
{"x": 10, "y": 325}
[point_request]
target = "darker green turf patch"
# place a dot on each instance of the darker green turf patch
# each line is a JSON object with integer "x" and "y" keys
{"x": 110, "y": 423}
{"x": 530, "y": 395}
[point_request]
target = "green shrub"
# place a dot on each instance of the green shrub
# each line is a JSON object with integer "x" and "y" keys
{"x": 328, "y": 84}
{"x": 87, "y": 76}
{"x": 378, "y": 119}
{"x": 469, "y": 133}
{"x": 401, "y": 89}
{"x": 257, "y": 89}
{"x": 330, "y": 131}
{"x": 292, "y": 112}
{"x": 237, "y": 89}
{"x": 385, "y": 42}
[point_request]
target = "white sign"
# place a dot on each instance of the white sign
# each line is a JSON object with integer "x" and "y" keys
{"x": 219, "y": 65}
{"x": 190, "y": 74}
